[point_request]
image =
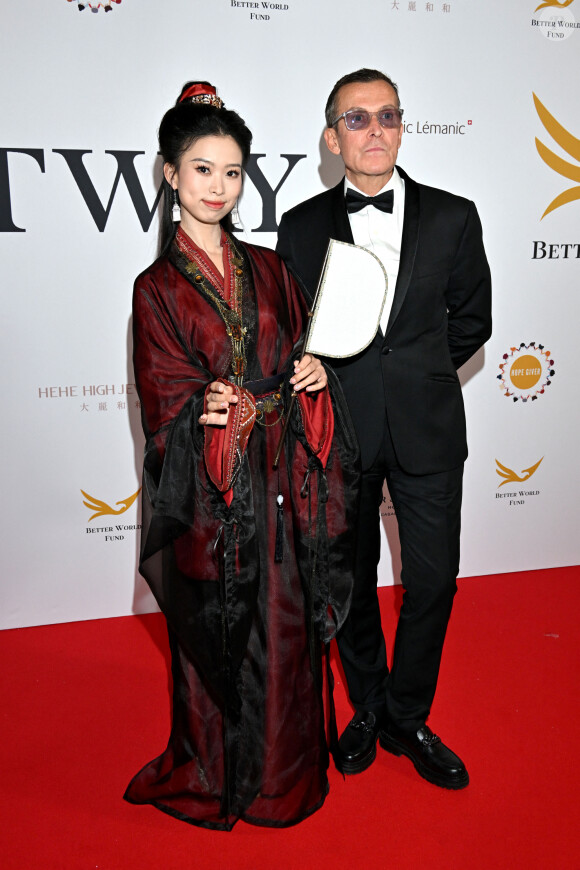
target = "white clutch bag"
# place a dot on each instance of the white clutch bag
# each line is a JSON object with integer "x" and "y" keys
{"x": 349, "y": 302}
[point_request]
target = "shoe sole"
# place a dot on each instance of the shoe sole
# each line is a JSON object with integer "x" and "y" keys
{"x": 352, "y": 767}
{"x": 395, "y": 748}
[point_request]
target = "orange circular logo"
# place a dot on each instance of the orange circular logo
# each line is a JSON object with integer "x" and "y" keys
{"x": 525, "y": 372}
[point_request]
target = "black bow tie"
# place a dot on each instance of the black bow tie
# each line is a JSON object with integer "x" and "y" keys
{"x": 356, "y": 201}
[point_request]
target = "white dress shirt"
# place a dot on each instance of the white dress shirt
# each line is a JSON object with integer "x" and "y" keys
{"x": 381, "y": 233}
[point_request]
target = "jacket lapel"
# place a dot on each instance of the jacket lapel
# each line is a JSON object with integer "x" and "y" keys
{"x": 342, "y": 230}
{"x": 408, "y": 245}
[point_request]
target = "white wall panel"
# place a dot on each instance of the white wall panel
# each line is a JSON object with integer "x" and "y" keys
{"x": 101, "y": 82}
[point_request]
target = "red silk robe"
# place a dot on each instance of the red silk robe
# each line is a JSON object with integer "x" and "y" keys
{"x": 248, "y": 738}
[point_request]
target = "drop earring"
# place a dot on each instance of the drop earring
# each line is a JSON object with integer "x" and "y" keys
{"x": 235, "y": 215}
{"x": 176, "y": 209}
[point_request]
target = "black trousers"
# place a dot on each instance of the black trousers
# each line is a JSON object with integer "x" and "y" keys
{"x": 428, "y": 509}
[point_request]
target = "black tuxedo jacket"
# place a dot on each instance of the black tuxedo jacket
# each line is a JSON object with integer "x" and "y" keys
{"x": 441, "y": 315}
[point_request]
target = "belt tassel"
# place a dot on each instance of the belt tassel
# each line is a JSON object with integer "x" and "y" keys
{"x": 279, "y": 549}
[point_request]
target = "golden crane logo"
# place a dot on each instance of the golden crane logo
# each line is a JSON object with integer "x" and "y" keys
{"x": 510, "y": 476}
{"x": 570, "y": 144}
{"x": 102, "y": 509}
{"x": 554, "y": 4}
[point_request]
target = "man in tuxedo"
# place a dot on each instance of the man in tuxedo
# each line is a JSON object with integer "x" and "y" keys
{"x": 405, "y": 400}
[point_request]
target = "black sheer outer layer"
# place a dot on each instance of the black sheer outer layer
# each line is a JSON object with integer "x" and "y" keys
{"x": 246, "y": 631}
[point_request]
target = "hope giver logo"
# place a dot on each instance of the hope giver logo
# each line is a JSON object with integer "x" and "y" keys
{"x": 526, "y": 371}
{"x": 94, "y": 7}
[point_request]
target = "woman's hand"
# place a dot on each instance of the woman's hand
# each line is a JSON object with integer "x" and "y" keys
{"x": 219, "y": 399}
{"x": 309, "y": 374}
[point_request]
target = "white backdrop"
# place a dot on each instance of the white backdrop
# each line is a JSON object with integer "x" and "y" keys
{"x": 72, "y": 242}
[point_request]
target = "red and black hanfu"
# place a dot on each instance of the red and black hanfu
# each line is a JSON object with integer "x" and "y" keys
{"x": 251, "y": 587}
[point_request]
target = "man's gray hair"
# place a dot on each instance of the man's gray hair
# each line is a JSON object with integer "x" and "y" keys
{"x": 360, "y": 76}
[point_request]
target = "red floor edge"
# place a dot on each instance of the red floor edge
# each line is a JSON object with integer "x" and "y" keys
{"x": 84, "y": 705}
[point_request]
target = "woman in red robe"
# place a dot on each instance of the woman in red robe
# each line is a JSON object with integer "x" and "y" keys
{"x": 249, "y": 564}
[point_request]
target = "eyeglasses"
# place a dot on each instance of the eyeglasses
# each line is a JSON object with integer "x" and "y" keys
{"x": 359, "y": 119}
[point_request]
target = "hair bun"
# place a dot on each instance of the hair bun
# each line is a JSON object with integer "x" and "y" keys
{"x": 200, "y": 92}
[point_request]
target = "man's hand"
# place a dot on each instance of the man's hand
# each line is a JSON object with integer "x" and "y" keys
{"x": 309, "y": 374}
{"x": 219, "y": 399}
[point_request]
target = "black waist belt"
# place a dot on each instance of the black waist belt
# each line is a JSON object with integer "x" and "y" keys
{"x": 266, "y": 385}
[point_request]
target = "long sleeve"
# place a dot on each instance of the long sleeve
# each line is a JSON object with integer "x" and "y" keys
{"x": 168, "y": 370}
{"x": 469, "y": 294}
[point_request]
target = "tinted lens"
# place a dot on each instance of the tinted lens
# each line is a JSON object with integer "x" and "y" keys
{"x": 389, "y": 118}
{"x": 357, "y": 120}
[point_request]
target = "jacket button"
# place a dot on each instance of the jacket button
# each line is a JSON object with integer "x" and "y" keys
{"x": 385, "y": 350}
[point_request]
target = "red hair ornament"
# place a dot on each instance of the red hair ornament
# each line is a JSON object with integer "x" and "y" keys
{"x": 200, "y": 93}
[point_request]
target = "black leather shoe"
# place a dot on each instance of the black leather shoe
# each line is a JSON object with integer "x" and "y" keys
{"x": 358, "y": 742}
{"x": 432, "y": 759}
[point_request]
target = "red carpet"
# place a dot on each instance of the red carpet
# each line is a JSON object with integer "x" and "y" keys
{"x": 84, "y": 705}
